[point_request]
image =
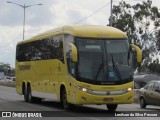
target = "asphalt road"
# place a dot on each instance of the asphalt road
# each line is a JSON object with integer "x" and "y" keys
{"x": 11, "y": 101}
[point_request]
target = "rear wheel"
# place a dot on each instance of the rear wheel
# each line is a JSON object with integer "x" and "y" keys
{"x": 32, "y": 99}
{"x": 142, "y": 103}
{"x": 25, "y": 94}
{"x": 112, "y": 107}
{"x": 29, "y": 94}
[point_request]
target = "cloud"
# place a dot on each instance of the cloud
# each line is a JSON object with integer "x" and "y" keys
{"x": 12, "y": 15}
{"x": 8, "y": 40}
{"x": 74, "y": 15}
{"x": 53, "y": 13}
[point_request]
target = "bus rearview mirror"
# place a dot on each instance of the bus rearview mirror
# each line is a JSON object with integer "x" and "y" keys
{"x": 138, "y": 51}
{"x": 73, "y": 52}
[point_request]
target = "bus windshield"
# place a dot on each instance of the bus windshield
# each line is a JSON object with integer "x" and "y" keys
{"x": 103, "y": 60}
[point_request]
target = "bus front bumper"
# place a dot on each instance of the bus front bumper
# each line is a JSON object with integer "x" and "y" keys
{"x": 86, "y": 98}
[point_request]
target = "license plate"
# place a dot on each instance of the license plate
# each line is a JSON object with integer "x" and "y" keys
{"x": 108, "y": 99}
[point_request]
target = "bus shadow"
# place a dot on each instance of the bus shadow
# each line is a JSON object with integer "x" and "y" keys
{"x": 76, "y": 111}
{"x": 74, "y": 108}
{"x": 56, "y": 109}
{"x": 50, "y": 104}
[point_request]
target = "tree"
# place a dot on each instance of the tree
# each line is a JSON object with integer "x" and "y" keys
{"x": 154, "y": 67}
{"x": 158, "y": 39}
{"x": 7, "y": 69}
{"x": 136, "y": 22}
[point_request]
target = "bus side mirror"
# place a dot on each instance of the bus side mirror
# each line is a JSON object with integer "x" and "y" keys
{"x": 73, "y": 52}
{"x": 138, "y": 51}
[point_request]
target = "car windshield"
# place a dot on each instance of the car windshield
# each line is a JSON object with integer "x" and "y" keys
{"x": 103, "y": 60}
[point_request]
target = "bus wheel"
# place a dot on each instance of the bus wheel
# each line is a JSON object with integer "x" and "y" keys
{"x": 29, "y": 94}
{"x": 25, "y": 94}
{"x": 112, "y": 107}
{"x": 142, "y": 103}
{"x": 65, "y": 103}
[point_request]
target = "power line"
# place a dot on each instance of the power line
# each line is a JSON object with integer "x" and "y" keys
{"x": 92, "y": 13}
{"x": 100, "y": 10}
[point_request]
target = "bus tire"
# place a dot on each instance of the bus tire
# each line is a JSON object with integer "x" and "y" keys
{"x": 25, "y": 93}
{"x": 64, "y": 101}
{"x": 112, "y": 107}
{"x": 29, "y": 94}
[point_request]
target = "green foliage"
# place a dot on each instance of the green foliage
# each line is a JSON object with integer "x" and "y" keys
{"x": 136, "y": 21}
{"x": 7, "y": 69}
{"x": 158, "y": 39}
{"x": 154, "y": 67}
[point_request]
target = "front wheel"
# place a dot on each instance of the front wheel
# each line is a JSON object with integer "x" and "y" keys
{"x": 142, "y": 103}
{"x": 112, "y": 107}
{"x": 64, "y": 101}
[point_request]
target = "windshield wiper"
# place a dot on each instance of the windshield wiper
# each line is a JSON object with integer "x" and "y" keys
{"x": 115, "y": 68}
{"x": 99, "y": 69}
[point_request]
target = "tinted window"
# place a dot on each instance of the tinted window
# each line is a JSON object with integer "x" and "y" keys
{"x": 48, "y": 48}
{"x": 157, "y": 86}
{"x": 150, "y": 86}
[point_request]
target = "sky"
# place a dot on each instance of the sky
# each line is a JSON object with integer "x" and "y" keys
{"x": 50, "y": 15}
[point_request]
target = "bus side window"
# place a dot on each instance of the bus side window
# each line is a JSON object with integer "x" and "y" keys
{"x": 60, "y": 51}
{"x": 58, "y": 47}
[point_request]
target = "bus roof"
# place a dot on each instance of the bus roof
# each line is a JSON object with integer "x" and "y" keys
{"x": 94, "y": 31}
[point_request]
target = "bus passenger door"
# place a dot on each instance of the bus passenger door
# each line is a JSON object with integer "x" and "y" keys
{"x": 70, "y": 77}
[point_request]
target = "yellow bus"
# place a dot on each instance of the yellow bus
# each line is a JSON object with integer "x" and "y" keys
{"x": 77, "y": 65}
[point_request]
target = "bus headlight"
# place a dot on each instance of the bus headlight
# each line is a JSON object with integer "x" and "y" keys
{"x": 84, "y": 89}
{"x": 81, "y": 88}
{"x": 130, "y": 89}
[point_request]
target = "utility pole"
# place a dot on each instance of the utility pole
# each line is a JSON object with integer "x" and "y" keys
{"x": 111, "y": 14}
{"x": 24, "y": 20}
{"x": 24, "y": 8}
